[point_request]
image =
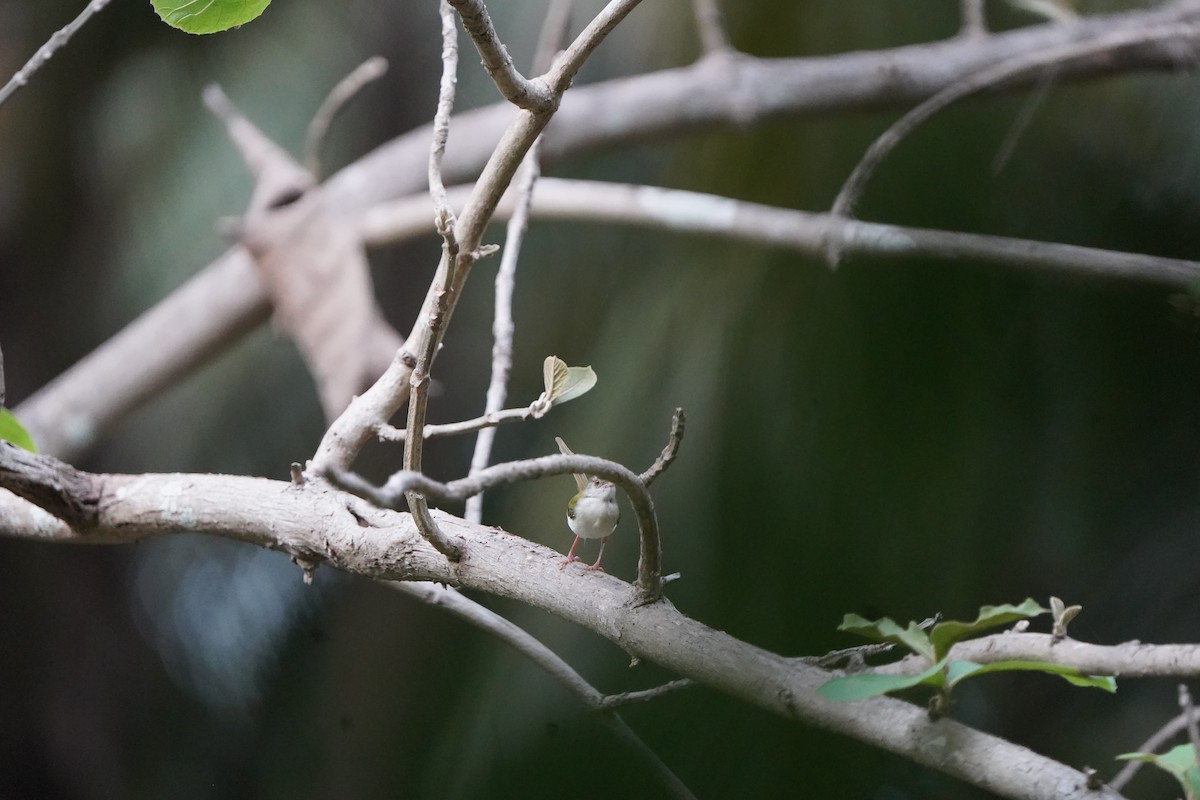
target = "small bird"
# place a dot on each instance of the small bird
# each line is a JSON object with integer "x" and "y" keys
{"x": 592, "y": 513}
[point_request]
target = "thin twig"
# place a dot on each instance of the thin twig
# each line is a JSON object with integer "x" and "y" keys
{"x": 444, "y": 215}
{"x": 52, "y": 45}
{"x": 389, "y": 433}
{"x": 1152, "y": 744}
{"x": 1036, "y": 98}
{"x": 614, "y": 701}
{"x": 555, "y": 28}
{"x": 371, "y": 69}
{"x": 516, "y": 88}
{"x": 974, "y": 21}
{"x": 546, "y": 659}
{"x": 851, "y": 191}
{"x": 435, "y": 318}
{"x": 1189, "y": 715}
{"x": 709, "y": 26}
{"x": 503, "y": 327}
{"x": 678, "y": 423}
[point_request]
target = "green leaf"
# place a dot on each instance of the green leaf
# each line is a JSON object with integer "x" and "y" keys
{"x": 208, "y": 16}
{"x": 565, "y": 383}
{"x": 1180, "y": 761}
{"x": 886, "y": 630}
{"x": 848, "y": 688}
{"x": 945, "y": 634}
{"x": 12, "y": 431}
{"x": 957, "y": 671}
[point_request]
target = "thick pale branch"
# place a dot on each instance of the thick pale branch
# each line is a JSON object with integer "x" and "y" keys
{"x": 321, "y": 525}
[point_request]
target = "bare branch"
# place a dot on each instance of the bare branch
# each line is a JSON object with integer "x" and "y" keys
{"x": 974, "y": 20}
{"x": 563, "y": 71}
{"x": 516, "y": 88}
{"x": 1151, "y": 745}
{"x": 665, "y": 459}
{"x": 370, "y": 70}
{"x": 713, "y": 39}
{"x": 614, "y": 701}
{"x": 315, "y": 524}
{"x": 1188, "y": 712}
{"x": 801, "y": 231}
{"x": 434, "y": 322}
{"x": 1168, "y": 34}
{"x": 519, "y": 639}
{"x": 444, "y": 214}
{"x": 52, "y": 46}
{"x": 389, "y": 433}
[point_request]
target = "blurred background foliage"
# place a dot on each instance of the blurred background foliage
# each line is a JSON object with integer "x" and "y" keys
{"x": 885, "y": 439}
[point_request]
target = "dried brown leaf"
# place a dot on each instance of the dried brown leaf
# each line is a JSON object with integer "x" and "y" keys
{"x": 315, "y": 268}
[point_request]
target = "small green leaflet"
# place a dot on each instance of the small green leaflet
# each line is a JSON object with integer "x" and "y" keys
{"x": 849, "y": 688}
{"x": 12, "y": 431}
{"x": 934, "y": 646}
{"x": 945, "y": 634}
{"x": 886, "y": 630}
{"x": 208, "y": 16}
{"x": 1180, "y": 761}
{"x": 565, "y": 383}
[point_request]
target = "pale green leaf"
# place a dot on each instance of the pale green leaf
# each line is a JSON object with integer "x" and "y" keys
{"x": 945, "y": 634}
{"x": 565, "y": 383}
{"x": 1180, "y": 761}
{"x": 886, "y": 630}
{"x": 208, "y": 16}
{"x": 958, "y": 670}
{"x": 12, "y": 431}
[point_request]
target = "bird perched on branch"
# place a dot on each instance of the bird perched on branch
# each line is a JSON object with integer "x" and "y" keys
{"x": 592, "y": 513}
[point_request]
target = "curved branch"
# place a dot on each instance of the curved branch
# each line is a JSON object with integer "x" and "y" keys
{"x": 649, "y": 582}
{"x": 851, "y": 191}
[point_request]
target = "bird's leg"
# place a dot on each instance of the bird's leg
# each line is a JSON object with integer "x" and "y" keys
{"x": 596, "y": 567}
{"x": 571, "y": 554}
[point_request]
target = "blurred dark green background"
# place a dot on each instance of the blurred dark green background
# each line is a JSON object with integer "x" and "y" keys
{"x": 896, "y": 439}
